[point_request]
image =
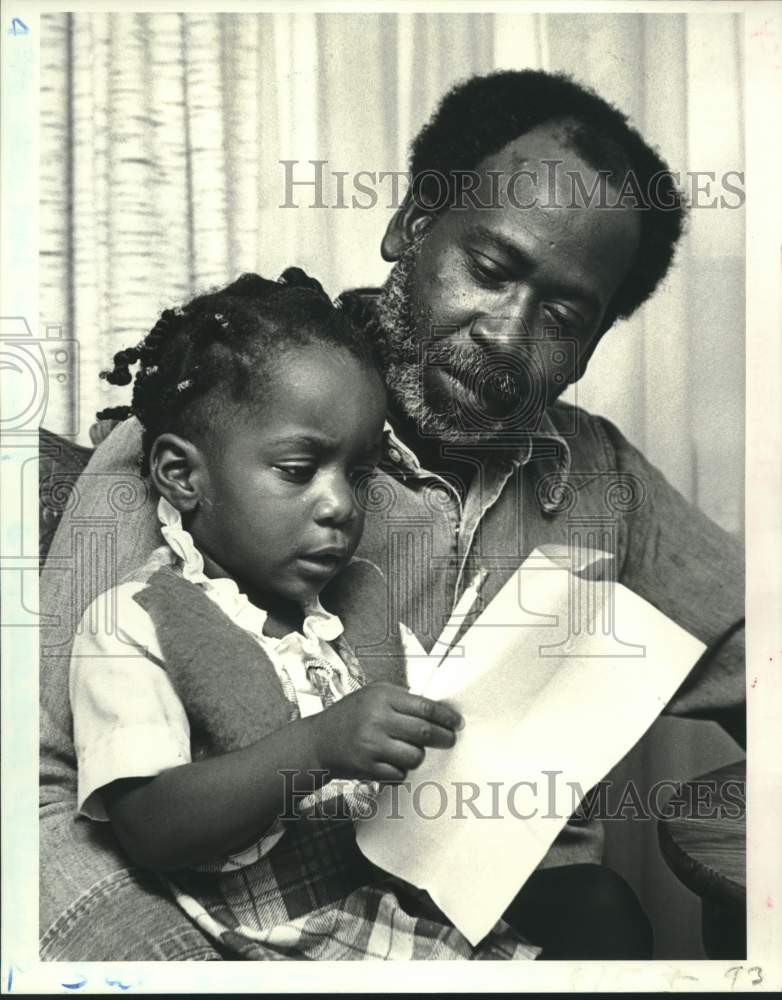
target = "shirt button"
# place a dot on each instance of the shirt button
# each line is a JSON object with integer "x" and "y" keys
{"x": 394, "y": 455}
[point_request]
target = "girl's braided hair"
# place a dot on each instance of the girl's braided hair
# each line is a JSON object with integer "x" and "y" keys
{"x": 226, "y": 340}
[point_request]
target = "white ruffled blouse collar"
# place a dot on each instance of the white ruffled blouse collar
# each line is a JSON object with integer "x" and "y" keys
{"x": 318, "y": 623}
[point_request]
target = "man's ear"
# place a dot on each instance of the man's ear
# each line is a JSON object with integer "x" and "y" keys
{"x": 178, "y": 470}
{"x": 404, "y": 224}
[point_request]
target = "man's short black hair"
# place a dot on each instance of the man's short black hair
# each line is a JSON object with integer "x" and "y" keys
{"x": 479, "y": 117}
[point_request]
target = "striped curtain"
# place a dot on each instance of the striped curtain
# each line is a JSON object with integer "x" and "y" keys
{"x": 162, "y": 137}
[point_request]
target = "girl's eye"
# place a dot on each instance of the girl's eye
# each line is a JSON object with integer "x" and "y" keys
{"x": 296, "y": 473}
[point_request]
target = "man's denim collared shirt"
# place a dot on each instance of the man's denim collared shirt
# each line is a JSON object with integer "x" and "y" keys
{"x": 577, "y": 482}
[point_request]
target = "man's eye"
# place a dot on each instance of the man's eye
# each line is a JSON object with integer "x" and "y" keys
{"x": 486, "y": 271}
{"x": 296, "y": 473}
{"x": 562, "y": 317}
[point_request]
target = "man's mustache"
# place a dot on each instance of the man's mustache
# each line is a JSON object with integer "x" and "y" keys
{"x": 500, "y": 379}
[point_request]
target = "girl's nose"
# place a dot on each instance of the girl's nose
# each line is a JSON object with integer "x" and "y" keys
{"x": 336, "y": 503}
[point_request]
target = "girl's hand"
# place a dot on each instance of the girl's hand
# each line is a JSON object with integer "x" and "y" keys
{"x": 379, "y": 733}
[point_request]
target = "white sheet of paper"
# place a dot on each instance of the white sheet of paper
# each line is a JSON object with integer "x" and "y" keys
{"x": 557, "y": 679}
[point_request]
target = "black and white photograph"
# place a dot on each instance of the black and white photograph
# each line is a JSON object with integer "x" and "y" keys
{"x": 391, "y": 529}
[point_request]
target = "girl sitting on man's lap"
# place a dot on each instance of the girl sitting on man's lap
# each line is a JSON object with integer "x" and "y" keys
{"x": 228, "y": 696}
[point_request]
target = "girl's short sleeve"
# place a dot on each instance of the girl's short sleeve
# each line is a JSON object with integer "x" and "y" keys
{"x": 127, "y": 719}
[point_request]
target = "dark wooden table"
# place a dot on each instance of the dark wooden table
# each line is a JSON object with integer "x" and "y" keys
{"x": 704, "y": 845}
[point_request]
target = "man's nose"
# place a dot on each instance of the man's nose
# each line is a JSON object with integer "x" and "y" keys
{"x": 504, "y": 334}
{"x": 336, "y": 503}
{"x": 510, "y": 355}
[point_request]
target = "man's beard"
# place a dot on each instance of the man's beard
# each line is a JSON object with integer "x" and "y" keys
{"x": 412, "y": 343}
{"x": 404, "y": 344}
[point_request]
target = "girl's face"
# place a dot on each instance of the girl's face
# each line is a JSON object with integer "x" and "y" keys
{"x": 279, "y": 512}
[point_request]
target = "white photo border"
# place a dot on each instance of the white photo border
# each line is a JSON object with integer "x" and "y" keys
{"x": 22, "y": 972}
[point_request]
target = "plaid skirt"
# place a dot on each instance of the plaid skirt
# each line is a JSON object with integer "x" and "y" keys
{"x": 315, "y": 896}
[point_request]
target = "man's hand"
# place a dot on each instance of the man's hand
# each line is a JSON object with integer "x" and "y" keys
{"x": 379, "y": 733}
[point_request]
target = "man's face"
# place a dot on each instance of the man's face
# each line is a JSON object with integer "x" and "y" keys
{"x": 489, "y": 310}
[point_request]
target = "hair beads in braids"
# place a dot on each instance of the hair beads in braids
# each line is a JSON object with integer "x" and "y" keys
{"x": 221, "y": 346}
{"x": 122, "y": 362}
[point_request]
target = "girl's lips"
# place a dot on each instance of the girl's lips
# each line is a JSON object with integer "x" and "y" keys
{"x": 321, "y": 563}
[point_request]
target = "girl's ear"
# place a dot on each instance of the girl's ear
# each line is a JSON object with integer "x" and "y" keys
{"x": 405, "y": 223}
{"x": 178, "y": 470}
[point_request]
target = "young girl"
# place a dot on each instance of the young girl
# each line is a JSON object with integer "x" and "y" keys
{"x": 225, "y": 725}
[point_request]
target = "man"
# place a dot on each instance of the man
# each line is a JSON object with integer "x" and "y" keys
{"x": 536, "y": 218}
